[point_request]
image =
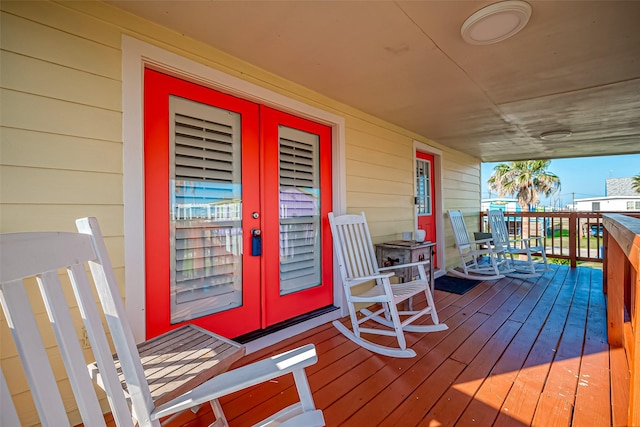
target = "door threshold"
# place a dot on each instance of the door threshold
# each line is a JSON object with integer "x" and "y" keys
{"x": 252, "y": 336}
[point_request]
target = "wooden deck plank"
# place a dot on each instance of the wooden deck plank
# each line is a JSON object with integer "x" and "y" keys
{"x": 449, "y": 407}
{"x": 554, "y": 408}
{"x": 489, "y": 399}
{"x": 518, "y": 353}
{"x": 593, "y": 386}
{"x": 525, "y": 392}
{"x": 378, "y": 387}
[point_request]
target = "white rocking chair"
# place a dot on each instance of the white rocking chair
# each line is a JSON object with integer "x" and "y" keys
{"x": 358, "y": 265}
{"x": 494, "y": 263}
{"x": 45, "y": 256}
{"x": 514, "y": 248}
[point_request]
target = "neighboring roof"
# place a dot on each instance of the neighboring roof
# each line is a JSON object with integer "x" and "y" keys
{"x": 499, "y": 199}
{"x": 588, "y": 199}
{"x": 620, "y": 187}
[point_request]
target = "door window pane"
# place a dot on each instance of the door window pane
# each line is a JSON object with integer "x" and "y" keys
{"x": 205, "y": 210}
{"x": 423, "y": 186}
{"x": 299, "y": 190}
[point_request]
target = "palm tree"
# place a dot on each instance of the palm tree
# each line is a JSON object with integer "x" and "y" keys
{"x": 635, "y": 184}
{"x": 524, "y": 179}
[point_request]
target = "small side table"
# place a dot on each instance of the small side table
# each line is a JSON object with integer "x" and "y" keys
{"x": 404, "y": 252}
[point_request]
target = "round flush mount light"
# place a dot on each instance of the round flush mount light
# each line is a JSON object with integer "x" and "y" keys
{"x": 496, "y": 22}
{"x": 555, "y": 134}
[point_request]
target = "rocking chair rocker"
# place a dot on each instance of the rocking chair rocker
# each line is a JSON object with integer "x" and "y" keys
{"x": 358, "y": 265}
{"x": 523, "y": 268}
{"x": 494, "y": 264}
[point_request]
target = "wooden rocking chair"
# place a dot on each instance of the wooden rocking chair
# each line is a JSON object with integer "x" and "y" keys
{"x": 514, "y": 248}
{"x": 480, "y": 259}
{"x": 358, "y": 265}
{"x": 37, "y": 260}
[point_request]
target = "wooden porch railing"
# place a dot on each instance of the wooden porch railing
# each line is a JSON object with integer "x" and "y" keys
{"x": 574, "y": 236}
{"x": 622, "y": 286}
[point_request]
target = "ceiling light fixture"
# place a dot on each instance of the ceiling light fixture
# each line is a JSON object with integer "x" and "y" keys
{"x": 496, "y": 22}
{"x": 555, "y": 134}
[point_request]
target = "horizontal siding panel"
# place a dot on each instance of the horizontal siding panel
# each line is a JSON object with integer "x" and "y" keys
{"x": 380, "y": 158}
{"x": 41, "y": 186}
{"x": 387, "y": 231}
{"x": 37, "y": 113}
{"x": 374, "y": 200}
{"x": 47, "y": 150}
{"x": 364, "y": 133}
{"x": 65, "y": 19}
{"x": 38, "y": 41}
{"x": 387, "y": 214}
{"x": 370, "y": 185}
{"x": 457, "y": 163}
{"x": 453, "y": 193}
{"x": 367, "y": 170}
{"x": 24, "y": 74}
{"x": 458, "y": 177}
{"x": 23, "y": 217}
{"x": 462, "y": 186}
{"x": 470, "y": 176}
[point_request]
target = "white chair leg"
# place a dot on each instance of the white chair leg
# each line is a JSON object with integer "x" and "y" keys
{"x": 221, "y": 420}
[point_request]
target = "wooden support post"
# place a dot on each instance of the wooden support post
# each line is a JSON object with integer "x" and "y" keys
{"x": 573, "y": 239}
{"x": 615, "y": 293}
{"x": 633, "y": 277}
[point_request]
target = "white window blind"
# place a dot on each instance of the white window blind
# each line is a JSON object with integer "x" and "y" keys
{"x": 299, "y": 210}
{"x": 205, "y": 195}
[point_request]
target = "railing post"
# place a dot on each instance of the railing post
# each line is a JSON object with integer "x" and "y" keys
{"x": 573, "y": 239}
{"x": 633, "y": 276}
{"x": 615, "y": 294}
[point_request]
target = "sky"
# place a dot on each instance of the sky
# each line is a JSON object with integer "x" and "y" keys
{"x": 579, "y": 178}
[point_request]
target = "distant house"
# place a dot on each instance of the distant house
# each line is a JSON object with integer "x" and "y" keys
{"x": 500, "y": 203}
{"x": 620, "y": 196}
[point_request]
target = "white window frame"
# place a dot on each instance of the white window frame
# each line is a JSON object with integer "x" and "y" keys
{"x": 136, "y": 55}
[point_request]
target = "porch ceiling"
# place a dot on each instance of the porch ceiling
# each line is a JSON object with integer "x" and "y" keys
{"x": 576, "y": 65}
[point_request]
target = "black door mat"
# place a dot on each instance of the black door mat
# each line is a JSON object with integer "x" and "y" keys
{"x": 456, "y": 285}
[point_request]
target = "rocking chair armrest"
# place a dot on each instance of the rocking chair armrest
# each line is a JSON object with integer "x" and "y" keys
{"x": 241, "y": 378}
{"x": 363, "y": 279}
{"x": 409, "y": 264}
{"x": 527, "y": 240}
{"x": 488, "y": 241}
{"x": 535, "y": 238}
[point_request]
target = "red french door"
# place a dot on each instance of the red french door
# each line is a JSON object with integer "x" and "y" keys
{"x": 297, "y": 260}
{"x": 236, "y": 197}
{"x": 425, "y": 193}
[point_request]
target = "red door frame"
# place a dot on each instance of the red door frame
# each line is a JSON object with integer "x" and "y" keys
{"x": 428, "y": 222}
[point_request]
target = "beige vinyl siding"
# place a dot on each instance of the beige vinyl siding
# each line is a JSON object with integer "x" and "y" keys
{"x": 379, "y": 169}
{"x": 61, "y": 136}
{"x": 462, "y": 191}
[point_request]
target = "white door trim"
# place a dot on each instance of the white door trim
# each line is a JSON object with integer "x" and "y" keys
{"x": 136, "y": 55}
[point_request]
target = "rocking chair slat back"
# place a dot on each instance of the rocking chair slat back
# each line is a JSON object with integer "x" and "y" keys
{"x": 355, "y": 256}
{"x": 459, "y": 227}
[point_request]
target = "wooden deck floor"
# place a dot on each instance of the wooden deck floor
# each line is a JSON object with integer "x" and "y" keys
{"x": 516, "y": 353}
